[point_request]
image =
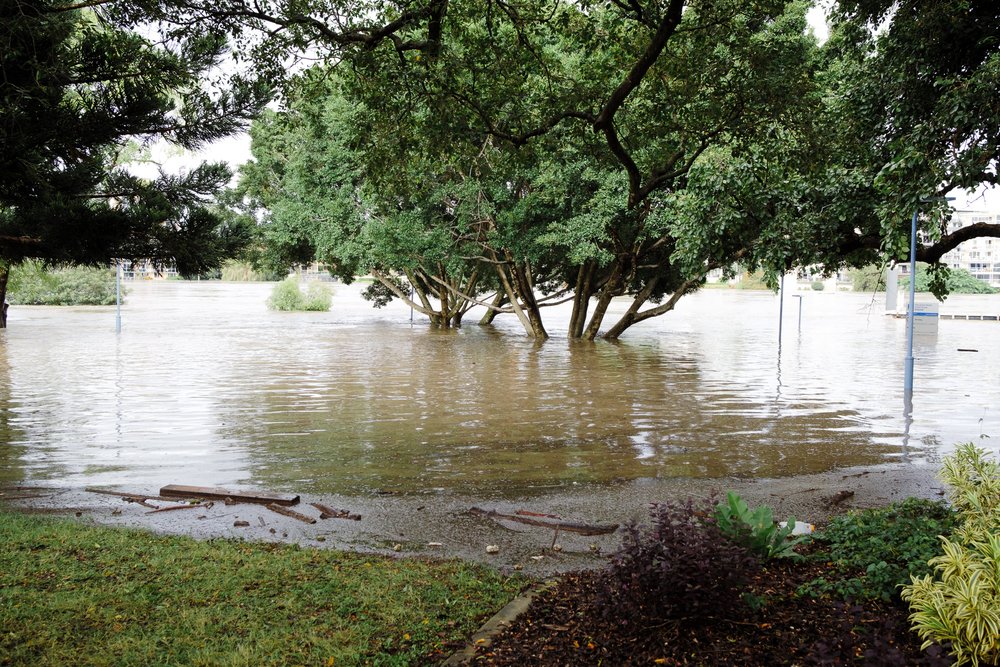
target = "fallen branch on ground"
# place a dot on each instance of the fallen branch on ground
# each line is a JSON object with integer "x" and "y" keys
{"x": 292, "y": 513}
{"x": 327, "y": 512}
{"x": 180, "y": 507}
{"x": 552, "y": 524}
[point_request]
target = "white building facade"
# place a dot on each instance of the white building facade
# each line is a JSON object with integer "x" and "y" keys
{"x": 980, "y": 257}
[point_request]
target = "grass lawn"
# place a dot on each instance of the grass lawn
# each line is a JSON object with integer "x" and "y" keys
{"x": 77, "y": 594}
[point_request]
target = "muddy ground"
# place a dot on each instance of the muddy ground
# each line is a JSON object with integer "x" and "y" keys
{"x": 442, "y": 525}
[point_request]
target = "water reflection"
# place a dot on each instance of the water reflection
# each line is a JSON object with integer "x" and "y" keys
{"x": 205, "y": 386}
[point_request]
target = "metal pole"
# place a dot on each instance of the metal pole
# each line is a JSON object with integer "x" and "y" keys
{"x": 781, "y": 307}
{"x": 118, "y": 296}
{"x": 799, "y": 297}
{"x": 908, "y": 363}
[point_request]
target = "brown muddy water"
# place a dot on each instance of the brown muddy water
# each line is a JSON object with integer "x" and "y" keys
{"x": 205, "y": 386}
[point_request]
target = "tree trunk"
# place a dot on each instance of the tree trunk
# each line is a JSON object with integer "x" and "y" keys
{"x": 531, "y": 322}
{"x": 582, "y": 292}
{"x": 526, "y": 289}
{"x": 608, "y": 292}
{"x": 633, "y": 316}
{"x": 491, "y": 314}
{"x": 4, "y": 275}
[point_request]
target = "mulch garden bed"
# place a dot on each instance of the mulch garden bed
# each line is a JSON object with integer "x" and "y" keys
{"x": 564, "y": 627}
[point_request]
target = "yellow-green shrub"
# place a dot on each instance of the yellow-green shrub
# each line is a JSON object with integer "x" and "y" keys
{"x": 960, "y": 603}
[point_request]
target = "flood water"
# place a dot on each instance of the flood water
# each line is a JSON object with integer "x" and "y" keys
{"x": 206, "y": 386}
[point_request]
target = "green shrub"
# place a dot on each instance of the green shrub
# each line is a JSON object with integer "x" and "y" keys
{"x": 237, "y": 271}
{"x": 877, "y": 550}
{"x": 960, "y": 602}
{"x": 817, "y": 286}
{"x": 974, "y": 491}
{"x": 318, "y": 297}
{"x": 956, "y": 281}
{"x": 289, "y": 297}
{"x": 756, "y": 529}
{"x": 870, "y": 278}
{"x": 32, "y": 284}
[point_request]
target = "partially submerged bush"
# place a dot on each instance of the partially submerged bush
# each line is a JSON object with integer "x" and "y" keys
{"x": 960, "y": 602}
{"x": 33, "y": 284}
{"x": 887, "y": 545}
{"x": 756, "y": 529}
{"x": 680, "y": 568}
{"x": 287, "y": 295}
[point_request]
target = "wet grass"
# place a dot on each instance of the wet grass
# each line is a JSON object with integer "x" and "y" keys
{"x": 77, "y": 594}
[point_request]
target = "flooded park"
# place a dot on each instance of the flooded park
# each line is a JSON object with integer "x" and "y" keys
{"x": 204, "y": 385}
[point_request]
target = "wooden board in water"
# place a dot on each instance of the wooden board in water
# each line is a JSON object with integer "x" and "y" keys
{"x": 215, "y": 493}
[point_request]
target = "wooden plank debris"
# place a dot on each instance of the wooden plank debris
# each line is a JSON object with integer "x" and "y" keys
{"x": 136, "y": 497}
{"x": 215, "y": 493}
{"x": 292, "y": 513}
{"x": 180, "y": 507}
{"x": 141, "y": 500}
{"x": 552, "y": 524}
{"x": 327, "y": 512}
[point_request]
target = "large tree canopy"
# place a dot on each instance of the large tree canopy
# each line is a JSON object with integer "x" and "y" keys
{"x": 914, "y": 93}
{"x": 76, "y": 88}
{"x": 571, "y": 170}
{"x": 733, "y": 136}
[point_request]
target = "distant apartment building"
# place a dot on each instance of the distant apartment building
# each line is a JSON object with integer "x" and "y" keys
{"x": 980, "y": 257}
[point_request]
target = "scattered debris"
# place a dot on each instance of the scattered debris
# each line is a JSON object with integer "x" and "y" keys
{"x": 538, "y": 514}
{"x": 241, "y": 524}
{"x": 320, "y": 538}
{"x": 435, "y": 544}
{"x": 262, "y": 523}
{"x": 552, "y": 524}
{"x": 800, "y": 528}
{"x": 291, "y": 513}
{"x": 140, "y": 500}
{"x": 214, "y": 493}
{"x": 550, "y": 521}
{"x": 557, "y": 547}
{"x": 492, "y": 549}
{"x": 180, "y": 507}
{"x": 397, "y": 547}
{"x": 331, "y": 513}
{"x": 840, "y": 497}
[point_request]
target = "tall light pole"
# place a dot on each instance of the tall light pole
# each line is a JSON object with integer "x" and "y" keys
{"x": 118, "y": 296}
{"x": 908, "y": 363}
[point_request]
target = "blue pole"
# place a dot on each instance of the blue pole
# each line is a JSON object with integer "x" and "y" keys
{"x": 118, "y": 297}
{"x": 908, "y": 365}
{"x": 781, "y": 308}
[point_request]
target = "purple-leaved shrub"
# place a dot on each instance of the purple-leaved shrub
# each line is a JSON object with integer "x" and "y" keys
{"x": 680, "y": 568}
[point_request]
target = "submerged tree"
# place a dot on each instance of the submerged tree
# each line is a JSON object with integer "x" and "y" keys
{"x": 77, "y": 87}
{"x": 731, "y": 136}
{"x": 596, "y": 117}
